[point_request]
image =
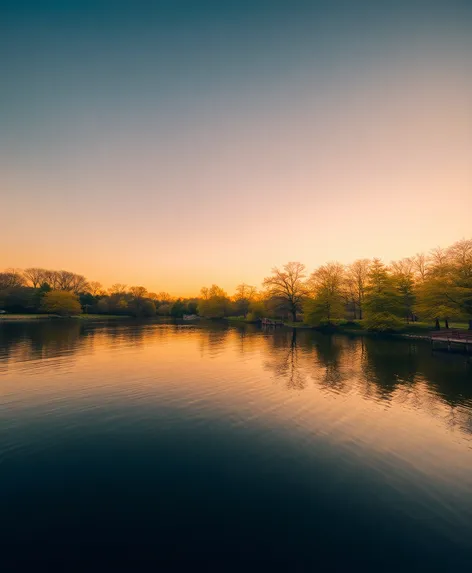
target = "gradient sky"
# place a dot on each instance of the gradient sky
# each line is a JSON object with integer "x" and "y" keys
{"x": 178, "y": 144}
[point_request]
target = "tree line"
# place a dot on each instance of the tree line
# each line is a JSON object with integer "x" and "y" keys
{"x": 428, "y": 287}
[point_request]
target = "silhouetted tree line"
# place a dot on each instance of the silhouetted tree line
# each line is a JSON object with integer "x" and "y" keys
{"x": 437, "y": 286}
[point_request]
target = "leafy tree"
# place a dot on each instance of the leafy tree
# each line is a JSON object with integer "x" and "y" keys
{"x": 324, "y": 307}
{"x": 214, "y": 302}
{"x": 63, "y": 303}
{"x": 356, "y": 282}
{"x": 327, "y": 286}
{"x": 243, "y": 297}
{"x": 179, "y": 308}
{"x": 19, "y": 299}
{"x": 148, "y": 309}
{"x": 447, "y": 291}
{"x": 287, "y": 286}
{"x": 381, "y": 294}
{"x": 164, "y": 309}
{"x": 403, "y": 277}
{"x": 257, "y": 310}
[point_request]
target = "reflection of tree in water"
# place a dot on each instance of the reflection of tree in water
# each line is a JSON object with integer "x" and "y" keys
{"x": 408, "y": 371}
{"x": 40, "y": 340}
{"x": 212, "y": 339}
{"x": 247, "y": 341}
{"x": 285, "y": 358}
{"x": 388, "y": 364}
{"x": 329, "y": 353}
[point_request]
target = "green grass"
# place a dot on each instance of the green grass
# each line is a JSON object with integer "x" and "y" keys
{"x": 11, "y": 317}
{"x": 100, "y": 316}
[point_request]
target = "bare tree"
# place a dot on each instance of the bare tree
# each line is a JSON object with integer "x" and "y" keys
{"x": 164, "y": 297}
{"x": 52, "y": 278}
{"x": 11, "y": 278}
{"x": 420, "y": 266}
{"x": 460, "y": 255}
{"x": 244, "y": 291}
{"x": 138, "y": 292}
{"x": 329, "y": 277}
{"x": 439, "y": 257}
{"x": 79, "y": 284}
{"x": 95, "y": 288}
{"x": 117, "y": 288}
{"x": 288, "y": 286}
{"x": 35, "y": 276}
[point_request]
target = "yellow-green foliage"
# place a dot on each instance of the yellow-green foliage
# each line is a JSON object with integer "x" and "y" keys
{"x": 61, "y": 302}
{"x": 382, "y": 322}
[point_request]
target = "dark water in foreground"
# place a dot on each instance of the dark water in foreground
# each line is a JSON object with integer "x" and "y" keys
{"x": 127, "y": 446}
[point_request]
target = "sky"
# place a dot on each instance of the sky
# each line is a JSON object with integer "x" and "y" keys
{"x": 177, "y": 144}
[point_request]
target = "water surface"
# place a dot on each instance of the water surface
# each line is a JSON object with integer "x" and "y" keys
{"x": 137, "y": 445}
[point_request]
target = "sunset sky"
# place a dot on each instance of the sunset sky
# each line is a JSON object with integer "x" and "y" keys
{"x": 182, "y": 143}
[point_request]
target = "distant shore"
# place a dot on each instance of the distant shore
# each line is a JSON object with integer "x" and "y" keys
{"x": 36, "y": 317}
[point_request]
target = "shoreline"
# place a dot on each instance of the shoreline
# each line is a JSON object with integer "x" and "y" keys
{"x": 415, "y": 333}
{"x": 43, "y": 317}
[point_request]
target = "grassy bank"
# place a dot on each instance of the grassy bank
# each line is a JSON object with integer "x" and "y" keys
{"x": 417, "y": 329}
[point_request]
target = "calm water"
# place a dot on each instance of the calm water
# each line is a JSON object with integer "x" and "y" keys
{"x": 136, "y": 445}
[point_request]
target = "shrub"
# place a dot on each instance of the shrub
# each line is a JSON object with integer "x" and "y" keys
{"x": 382, "y": 322}
{"x": 61, "y": 302}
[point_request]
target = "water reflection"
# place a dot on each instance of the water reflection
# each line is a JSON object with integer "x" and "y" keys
{"x": 184, "y": 433}
{"x": 384, "y": 370}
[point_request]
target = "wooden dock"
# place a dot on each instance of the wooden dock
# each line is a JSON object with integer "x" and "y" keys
{"x": 452, "y": 338}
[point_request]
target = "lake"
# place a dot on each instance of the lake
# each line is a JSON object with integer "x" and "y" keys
{"x": 139, "y": 445}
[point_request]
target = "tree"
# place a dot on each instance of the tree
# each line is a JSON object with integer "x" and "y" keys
{"x": 11, "y": 279}
{"x": 381, "y": 295}
{"x": 164, "y": 297}
{"x": 288, "y": 287}
{"x": 327, "y": 287}
{"x": 243, "y": 297}
{"x": 447, "y": 291}
{"x": 138, "y": 292}
{"x": 117, "y": 288}
{"x": 420, "y": 267}
{"x": 95, "y": 288}
{"x": 148, "y": 308}
{"x": 214, "y": 302}
{"x": 402, "y": 274}
{"x": 179, "y": 308}
{"x": 61, "y": 302}
{"x": 139, "y": 301}
{"x": 35, "y": 276}
{"x": 356, "y": 282}
{"x": 257, "y": 310}
{"x": 164, "y": 309}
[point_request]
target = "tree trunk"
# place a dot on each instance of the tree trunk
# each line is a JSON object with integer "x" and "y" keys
{"x": 294, "y": 315}
{"x": 447, "y": 323}
{"x": 437, "y": 326}
{"x": 470, "y": 324}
